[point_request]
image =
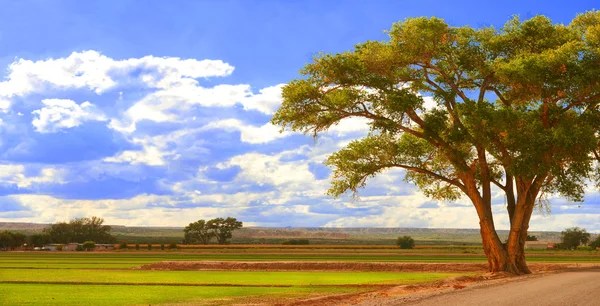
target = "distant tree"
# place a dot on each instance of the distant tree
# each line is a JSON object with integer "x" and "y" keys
{"x": 173, "y": 245}
{"x": 19, "y": 239}
{"x": 596, "y": 243}
{"x": 198, "y": 232}
{"x": 81, "y": 230}
{"x": 89, "y": 245}
{"x": 162, "y": 246}
{"x": 405, "y": 242}
{"x": 60, "y": 232}
{"x": 573, "y": 237}
{"x": 137, "y": 246}
{"x": 6, "y": 240}
{"x": 149, "y": 246}
{"x": 38, "y": 240}
{"x": 531, "y": 238}
{"x": 123, "y": 245}
{"x": 223, "y": 228}
{"x": 11, "y": 240}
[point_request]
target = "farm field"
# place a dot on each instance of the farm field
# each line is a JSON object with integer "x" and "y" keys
{"x": 63, "y": 278}
{"x": 116, "y": 278}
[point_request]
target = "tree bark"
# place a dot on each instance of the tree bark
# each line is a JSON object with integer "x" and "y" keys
{"x": 509, "y": 257}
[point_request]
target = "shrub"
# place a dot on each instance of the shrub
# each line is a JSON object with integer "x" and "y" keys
{"x": 88, "y": 245}
{"x": 149, "y": 246}
{"x": 405, "y": 242}
{"x": 123, "y": 245}
{"x": 79, "y": 248}
{"x": 296, "y": 242}
{"x": 162, "y": 246}
{"x": 173, "y": 245}
{"x": 137, "y": 246}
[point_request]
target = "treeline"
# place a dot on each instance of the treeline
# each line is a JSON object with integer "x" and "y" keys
{"x": 202, "y": 232}
{"x": 75, "y": 231}
{"x": 11, "y": 240}
{"x": 80, "y": 230}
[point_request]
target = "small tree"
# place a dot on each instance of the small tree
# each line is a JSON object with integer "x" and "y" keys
{"x": 88, "y": 245}
{"x": 137, "y": 246}
{"x": 573, "y": 237}
{"x": 149, "y": 246}
{"x": 198, "y": 232}
{"x": 223, "y": 228}
{"x": 173, "y": 245}
{"x": 405, "y": 242}
{"x": 531, "y": 238}
{"x": 162, "y": 246}
{"x": 123, "y": 245}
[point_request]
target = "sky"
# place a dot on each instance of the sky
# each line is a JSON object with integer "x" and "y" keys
{"x": 157, "y": 113}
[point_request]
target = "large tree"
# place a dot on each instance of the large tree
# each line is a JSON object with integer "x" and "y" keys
{"x": 198, "y": 232}
{"x": 223, "y": 228}
{"x": 516, "y": 108}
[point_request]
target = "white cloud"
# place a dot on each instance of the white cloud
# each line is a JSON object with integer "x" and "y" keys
{"x": 97, "y": 72}
{"x": 58, "y": 114}
{"x": 358, "y": 125}
{"x": 249, "y": 133}
{"x": 266, "y": 101}
{"x": 15, "y": 174}
{"x": 150, "y": 155}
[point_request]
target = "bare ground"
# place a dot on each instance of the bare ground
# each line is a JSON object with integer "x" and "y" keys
{"x": 345, "y": 266}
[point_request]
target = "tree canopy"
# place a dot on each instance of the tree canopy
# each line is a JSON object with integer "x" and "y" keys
{"x": 223, "y": 228}
{"x": 573, "y": 237}
{"x": 203, "y": 231}
{"x": 198, "y": 232}
{"x": 81, "y": 230}
{"x": 516, "y": 110}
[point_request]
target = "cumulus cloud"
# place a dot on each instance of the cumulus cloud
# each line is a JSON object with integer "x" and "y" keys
{"x": 58, "y": 114}
{"x": 15, "y": 174}
{"x": 266, "y": 101}
{"x": 97, "y": 72}
{"x": 151, "y": 156}
{"x": 249, "y": 133}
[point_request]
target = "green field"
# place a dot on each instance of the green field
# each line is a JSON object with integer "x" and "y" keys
{"x": 252, "y": 278}
{"x": 28, "y": 278}
{"x": 53, "y": 294}
{"x": 53, "y": 260}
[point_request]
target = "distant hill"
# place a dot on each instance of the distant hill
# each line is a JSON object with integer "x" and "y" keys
{"x": 317, "y": 235}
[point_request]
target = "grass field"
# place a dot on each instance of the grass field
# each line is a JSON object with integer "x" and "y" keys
{"x": 28, "y": 278}
{"x": 82, "y": 278}
{"x": 129, "y": 259}
{"x": 53, "y": 294}
{"x": 248, "y": 278}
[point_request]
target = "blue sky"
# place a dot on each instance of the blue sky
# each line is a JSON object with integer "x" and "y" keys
{"x": 156, "y": 113}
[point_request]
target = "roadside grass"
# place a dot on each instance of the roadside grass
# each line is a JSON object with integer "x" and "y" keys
{"x": 248, "y": 278}
{"x": 49, "y": 294}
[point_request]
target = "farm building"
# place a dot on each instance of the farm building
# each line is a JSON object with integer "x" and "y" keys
{"x": 70, "y": 247}
{"x": 539, "y": 245}
{"x": 104, "y": 247}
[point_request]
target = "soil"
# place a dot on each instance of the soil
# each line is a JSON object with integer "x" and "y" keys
{"x": 345, "y": 266}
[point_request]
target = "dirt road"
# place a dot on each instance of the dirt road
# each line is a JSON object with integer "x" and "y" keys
{"x": 576, "y": 288}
